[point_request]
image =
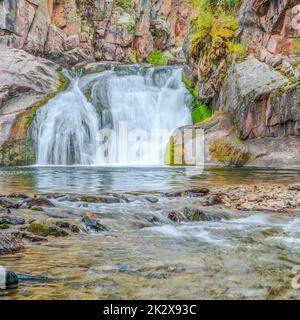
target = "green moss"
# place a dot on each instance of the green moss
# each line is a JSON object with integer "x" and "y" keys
{"x": 294, "y": 79}
{"x": 157, "y": 58}
{"x": 190, "y": 86}
{"x": 4, "y": 226}
{"x": 19, "y": 149}
{"x": 296, "y": 47}
{"x": 174, "y": 154}
{"x": 132, "y": 58}
{"x": 225, "y": 152}
{"x": 213, "y": 29}
{"x": 43, "y": 230}
{"x": 130, "y": 26}
{"x": 201, "y": 113}
{"x": 125, "y": 4}
{"x": 36, "y": 208}
{"x": 238, "y": 51}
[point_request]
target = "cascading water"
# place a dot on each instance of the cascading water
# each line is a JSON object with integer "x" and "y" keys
{"x": 129, "y": 119}
{"x": 65, "y": 129}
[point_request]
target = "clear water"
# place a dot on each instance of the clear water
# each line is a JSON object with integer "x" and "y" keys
{"x": 247, "y": 256}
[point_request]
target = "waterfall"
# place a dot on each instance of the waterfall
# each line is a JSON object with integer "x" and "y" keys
{"x": 65, "y": 129}
{"x": 127, "y": 118}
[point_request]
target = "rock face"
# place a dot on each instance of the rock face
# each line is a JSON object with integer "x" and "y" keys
{"x": 73, "y": 31}
{"x": 262, "y": 97}
{"x": 260, "y": 101}
{"x": 25, "y": 80}
{"x": 258, "y": 94}
{"x": 271, "y": 27}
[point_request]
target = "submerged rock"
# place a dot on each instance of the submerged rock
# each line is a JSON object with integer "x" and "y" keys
{"x": 8, "y": 203}
{"x": 92, "y": 222}
{"x": 193, "y": 214}
{"x": 11, "y": 220}
{"x": 38, "y": 202}
{"x": 193, "y": 192}
{"x": 197, "y": 191}
{"x": 93, "y": 199}
{"x": 67, "y": 225}
{"x": 33, "y": 238}
{"x": 41, "y": 229}
{"x": 18, "y": 196}
{"x": 10, "y": 242}
{"x": 294, "y": 186}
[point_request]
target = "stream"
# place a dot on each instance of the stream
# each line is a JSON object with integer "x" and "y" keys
{"x": 248, "y": 255}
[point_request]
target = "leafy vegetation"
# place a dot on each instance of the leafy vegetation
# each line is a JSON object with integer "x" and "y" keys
{"x": 200, "y": 111}
{"x": 157, "y": 58}
{"x": 125, "y": 4}
{"x": 213, "y": 28}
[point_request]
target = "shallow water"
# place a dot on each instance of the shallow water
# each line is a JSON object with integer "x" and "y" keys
{"x": 94, "y": 179}
{"x": 245, "y": 256}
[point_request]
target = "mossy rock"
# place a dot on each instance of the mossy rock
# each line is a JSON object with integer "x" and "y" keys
{"x": 46, "y": 230}
{"x": 4, "y": 226}
{"x": 229, "y": 153}
{"x": 174, "y": 154}
{"x": 36, "y": 208}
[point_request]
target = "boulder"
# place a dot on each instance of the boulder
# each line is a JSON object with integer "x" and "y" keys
{"x": 260, "y": 101}
{"x": 25, "y": 81}
{"x": 45, "y": 230}
{"x": 38, "y": 202}
{"x": 11, "y": 279}
{"x": 10, "y": 242}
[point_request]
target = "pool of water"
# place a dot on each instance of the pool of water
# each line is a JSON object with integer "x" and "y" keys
{"x": 92, "y": 179}
{"x": 248, "y": 255}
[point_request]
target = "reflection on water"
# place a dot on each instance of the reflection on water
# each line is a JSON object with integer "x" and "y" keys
{"x": 245, "y": 256}
{"x": 93, "y": 180}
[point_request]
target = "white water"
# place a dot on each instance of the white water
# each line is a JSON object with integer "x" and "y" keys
{"x": 137, "y": 110}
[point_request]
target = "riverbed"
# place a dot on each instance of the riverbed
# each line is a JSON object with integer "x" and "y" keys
{"x": 248, "y": 255}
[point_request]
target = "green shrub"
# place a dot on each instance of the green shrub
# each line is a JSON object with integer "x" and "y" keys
{"x": 157, "y": 58}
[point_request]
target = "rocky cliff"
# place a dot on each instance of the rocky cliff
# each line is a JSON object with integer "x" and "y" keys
{"x": 26, "y": 83}
{"x": 244, "y": 62}
{"x": 242, "y": 59}
{"x": 74, "y": 31}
